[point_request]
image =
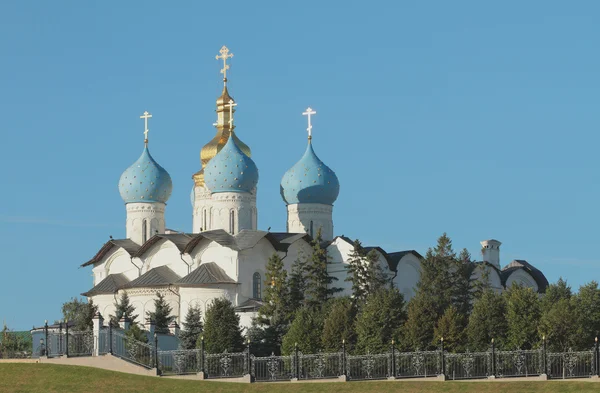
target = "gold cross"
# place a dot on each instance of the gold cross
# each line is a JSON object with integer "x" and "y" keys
{"x": 146, "y": 116}
{"x": 308, "y": 113}
{"x": 230, "y": 106}
{"x": 224, "y": 56}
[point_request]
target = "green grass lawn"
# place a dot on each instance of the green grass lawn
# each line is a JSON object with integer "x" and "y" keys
{"x": 38, "y": 378}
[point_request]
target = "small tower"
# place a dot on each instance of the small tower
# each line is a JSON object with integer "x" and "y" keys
{"x": 231, "y": 177}
{"x": 145, "y": 188}
{"x": 309, "y": 189}
{"x": 490, "y": 250}
{"x": 201, "y": 195}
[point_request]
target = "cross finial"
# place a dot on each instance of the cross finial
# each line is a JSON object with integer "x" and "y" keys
{"x": 146, "y": 116}
{"x": 224, "y": 56}
{"x": 230, "y": 105}
{"x": 309, "y": 112}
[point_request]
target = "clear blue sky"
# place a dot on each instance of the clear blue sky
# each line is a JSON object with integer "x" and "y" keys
{"x": 465, "y": 117}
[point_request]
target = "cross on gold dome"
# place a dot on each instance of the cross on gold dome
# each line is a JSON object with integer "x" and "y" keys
{"x": 146, "y": 116}
{"x": 230, "y": 105}
{"x": 224, "y": 56}
{"x": 309, "y": 112}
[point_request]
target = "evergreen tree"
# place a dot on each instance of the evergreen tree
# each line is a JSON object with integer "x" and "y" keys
{"x": 136, "y": 333}
{"x": 482, "y": 284}
{"x": 192, "y": 328}
{"x": 487, "y": 321}
{"x": 357, "y": 272}
{"x": 161, "y": 315}
{"x": 339, "y": 325}
{"x": 554, "y": 293}
{"x": 461, "y": 272}
{"x": 587, "y": 303}
{"x": 80, "y": 313}
{"x": 222, "y": 328}
{"x": 123, "y": 307}
{"x": 522, "y": 317}
{"x": 376, "y": 278}
{"x": 266, "y": 340}
{"x": 435, "y": 293}
{"x": 450, "y": 328}
{"x": 558, "y": 324}
{"x": 319, "y": 283}
{"x": 379, "y": 320}
{"x": 305, "y": 330}
{"x": 297, "y": 284}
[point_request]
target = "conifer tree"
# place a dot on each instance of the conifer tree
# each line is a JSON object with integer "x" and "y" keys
{"x": 123, "y": 307}
{"x": 461, "y": 272}
{"x": 357, "y": 272}
{"x": 192, "y": 328}
{"x": 522, "y": 317}
{"x": 379, "y": 320}
{"x": 487, "y": 321}
{"x": 339, "y": 325}
{"x": 274, "y": 314}
{"x": 450, "y": 328}
{"x": 297, "y": 284}
{"x": 319, "y": 283}
{"x": 558, "y": 321}
{"x": 417, "y": 332}
{"x": 222, "y": 328}
{"x": 375, "y": 276}
{"x": 136, "y": 333}
{"x": 305, "y": 331}
{"x": 161, "y": 315}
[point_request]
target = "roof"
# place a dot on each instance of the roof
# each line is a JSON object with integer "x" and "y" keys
{"x": 206, "y": 274}
{"x": 520, "y": 264}
{"x": 157, "y": 277}
{"x": 111, "y": 284}
{"x": 179, "y": 239}
{"x": 246, "y": 239}
{"x": 128, "y": 245}
{"x": 249, "y": 305}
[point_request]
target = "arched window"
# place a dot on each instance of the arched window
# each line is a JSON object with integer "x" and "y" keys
{"x": 256, "y": 286}
{"x": 144, "y": 231}
{"x": 232, "y": 222}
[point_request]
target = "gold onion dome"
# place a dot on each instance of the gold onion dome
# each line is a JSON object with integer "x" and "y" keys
{"x": 220, "y": 139}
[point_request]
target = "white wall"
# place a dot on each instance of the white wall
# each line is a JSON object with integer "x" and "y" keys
{"x": 165, "y": 252}
{"x": 243, "y": 206}
{"x": 137, "y": 213}
{"x": 300, "y": 215}
{"x": 409, "y": 274}
{"x": 523, "y": 278}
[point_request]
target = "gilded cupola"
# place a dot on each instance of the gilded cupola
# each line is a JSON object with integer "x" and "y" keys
{"x": 223, "y": 125}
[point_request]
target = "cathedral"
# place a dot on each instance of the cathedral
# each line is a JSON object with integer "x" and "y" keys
{"x": 226, "y": 253}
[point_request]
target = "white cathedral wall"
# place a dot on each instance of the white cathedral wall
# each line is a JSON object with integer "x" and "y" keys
{"x": 115, "y": 261}
{"x": 137, "y": 213}
{"x": 143, "y": 301}
{"x": 165, "y": 252}
{"x": 243, "y": 206}
{"x": 493, "y": 276}
{"x": 203, "y": 296}
{"x": 253, "y": 260}
{"x": 521, "y": 277}
{"x": 210, "y": 251}
{"x": 106, "y": 305}
{"x": 300, "y": 249}
{"x": 409, "y": 274}
{"x": 300, "y": 216}
{"x": 201, "y": 217}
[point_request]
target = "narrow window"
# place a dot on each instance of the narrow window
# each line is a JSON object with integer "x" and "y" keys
{"x": 204, "y": 221}
{"x": 232, "y": 222}
{"x": 312, "y": 234}
{"x": 256, "y": 286}
{"x": 144, "y": 231}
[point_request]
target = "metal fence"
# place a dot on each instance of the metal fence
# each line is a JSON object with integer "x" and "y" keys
{"x": 319, "y": 366}
{"x": 134, "y": 351}
{"x": 421, "y": 364}
{"x": 80, "y": 343}
{"x": 468, "y": 365}
{"x": 273, "y": 368}
{"x": 369, "y": 366}
{"x": 519, "y": 363}
{"x": 572, "y": 364}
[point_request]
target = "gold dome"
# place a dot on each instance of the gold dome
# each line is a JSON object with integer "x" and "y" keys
{"x": 223, "y": 132}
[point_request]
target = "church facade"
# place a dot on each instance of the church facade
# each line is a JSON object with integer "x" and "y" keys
{"x": 225, "y": 255}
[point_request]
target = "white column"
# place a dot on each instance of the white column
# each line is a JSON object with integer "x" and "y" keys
{"x": 98, "y": 324}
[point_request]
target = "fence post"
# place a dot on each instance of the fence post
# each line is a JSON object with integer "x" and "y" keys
{"x": 544, "y": 373}
{"x": 393, "y": 370}
{"x": 67, "y": 338}
{"x": 202, "y": 354}
{"x": 156, "y": 354}
{"x": 597, "y": 357}
{"x": 248, "y": 359}
{"x": 493, "y": 359}
{"x": 443, "y": 373}
{"x": 344, "y": 371}
{"x": 60, "y": 338}
{"x": 110, "y": 344}
{"x": 46, "y": 338}
{"x": 297, "y": 361}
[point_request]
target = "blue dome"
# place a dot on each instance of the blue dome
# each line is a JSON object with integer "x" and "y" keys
{"x": 310, "y": 181}
{"x": 145, "y": 181}
{"x": 231, "y": 170}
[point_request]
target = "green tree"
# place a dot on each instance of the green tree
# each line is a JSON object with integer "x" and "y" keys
{"x": 554, "y": 293}
{"x": 222, "y": 328}
{"x": 305, "y": 330}
{"x": 275, "y": 308}
{"x": 522, "y": 317}
{"x": 376, "y": 277}
{"x": 587, "y": 303}
{"x": 80, "y": 313}
{"x": 339, "y": 325}
{"x": 319, "y": 283}
{"x": 192, "y": 328}
{"x": 379, "y": 320}
{"x": 487, "y": 321}
{"x": 161, "y": 315}
{"x": 357, "y": 272}
{"x": 417, "y": 332}
{"x": 450, "y": 328}
{"x": 297, "y": 284}
{"x": 123, "y": 307}
{"x": 266, "y": 340}
{"x": 463, "y": 286}
{"x": 135, "y": 332}
{"x": 13, "y": 344}
{"x": 559, "y": 325}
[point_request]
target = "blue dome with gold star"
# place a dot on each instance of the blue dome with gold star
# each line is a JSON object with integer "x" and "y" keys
{"x": 145, "y": 181}
{"x": 231, "y": 170}
{"x": 310, "y": 181}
